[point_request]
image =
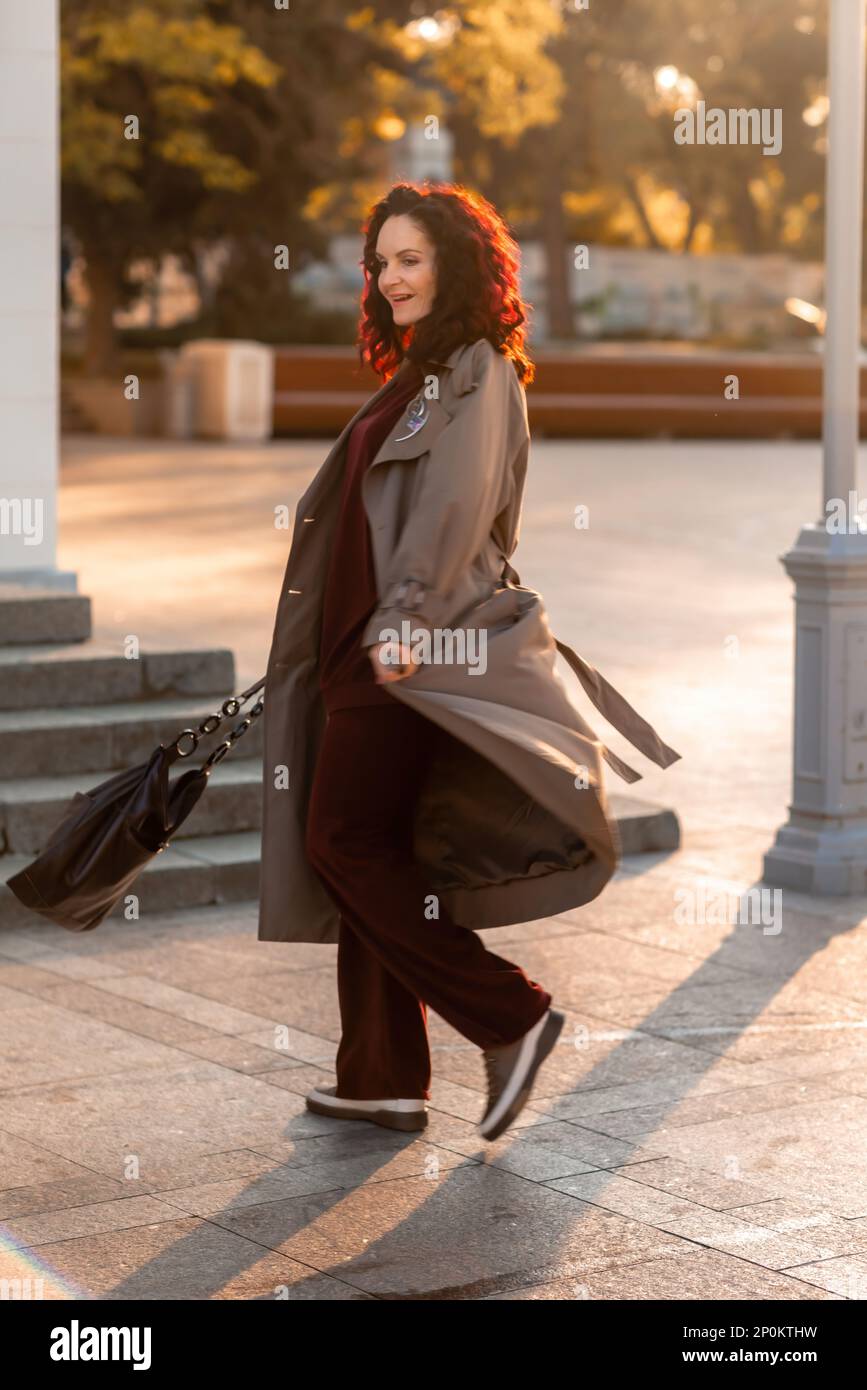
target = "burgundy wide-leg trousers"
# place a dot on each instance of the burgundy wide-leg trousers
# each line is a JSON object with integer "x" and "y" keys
{"x": 393, "y": 960}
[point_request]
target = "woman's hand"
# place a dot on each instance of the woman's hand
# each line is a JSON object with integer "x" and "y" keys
{"x": 396, "y": 665}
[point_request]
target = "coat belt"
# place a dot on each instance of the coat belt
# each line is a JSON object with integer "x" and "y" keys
{"x": 611, "y": 704}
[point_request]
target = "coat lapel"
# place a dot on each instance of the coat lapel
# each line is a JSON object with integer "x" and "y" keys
{"x": 420, "y": 422}
{"x": 415, "y": 431}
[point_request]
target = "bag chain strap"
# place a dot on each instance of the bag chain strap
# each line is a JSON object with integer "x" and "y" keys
{"x": 228, "y": 709}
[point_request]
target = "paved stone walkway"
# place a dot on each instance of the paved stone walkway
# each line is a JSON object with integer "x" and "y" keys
{"x": 699, "y": 1132}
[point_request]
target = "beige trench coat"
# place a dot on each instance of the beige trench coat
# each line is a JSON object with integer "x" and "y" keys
{"x": 513, "y": 823}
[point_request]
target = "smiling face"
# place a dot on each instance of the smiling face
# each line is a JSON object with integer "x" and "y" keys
{"x": 407, "y": 269}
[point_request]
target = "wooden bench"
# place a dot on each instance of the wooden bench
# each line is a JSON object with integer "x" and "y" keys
{"x": 593, "y": 392}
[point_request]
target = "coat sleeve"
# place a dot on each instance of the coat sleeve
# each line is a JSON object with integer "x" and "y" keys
{"x": 464, "y": 485}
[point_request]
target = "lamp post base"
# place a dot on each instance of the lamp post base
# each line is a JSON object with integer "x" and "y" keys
{"x": 830, "y": 862}
{"x": 822, "y": 849}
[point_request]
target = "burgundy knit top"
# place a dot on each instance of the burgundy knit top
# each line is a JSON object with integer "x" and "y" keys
{"x": 345, "y": 670}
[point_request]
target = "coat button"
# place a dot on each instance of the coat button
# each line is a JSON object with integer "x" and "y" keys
{"x": 294, "y": 591}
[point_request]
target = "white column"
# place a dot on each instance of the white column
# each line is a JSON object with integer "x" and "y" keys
{"x": 29, "y": 294}
{"x": 822, "y": 848}
{"x": 844, "y": 182}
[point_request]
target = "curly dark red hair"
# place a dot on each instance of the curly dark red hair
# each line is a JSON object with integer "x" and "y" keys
{"x": 477, "y": 281}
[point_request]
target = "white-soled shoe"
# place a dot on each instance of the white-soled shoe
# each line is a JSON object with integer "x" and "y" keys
{"x": 511, "y": 1071}
{"x": 393, "y": 1113}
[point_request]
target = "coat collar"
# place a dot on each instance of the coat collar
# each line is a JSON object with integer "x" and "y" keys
{"x": 453, "y": 357}
{"x": 451, "y": 362}
{"x": 459, "y": 362}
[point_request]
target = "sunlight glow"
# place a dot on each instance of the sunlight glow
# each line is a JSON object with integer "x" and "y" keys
{"x": 803, "y": 309}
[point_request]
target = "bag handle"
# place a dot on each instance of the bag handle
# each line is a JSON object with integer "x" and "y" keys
{"x": 211, "y": 722}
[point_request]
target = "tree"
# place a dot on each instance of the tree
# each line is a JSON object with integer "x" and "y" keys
{"x": 249, "y": 117}
{"x": 138, "y": 161}
{"x": 607, "y": 168}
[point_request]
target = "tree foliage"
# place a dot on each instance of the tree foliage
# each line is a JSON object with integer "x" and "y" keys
{"x": 267, "y": 126}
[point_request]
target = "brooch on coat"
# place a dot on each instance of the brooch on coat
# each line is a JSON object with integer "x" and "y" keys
{"x": 417, "y": 416}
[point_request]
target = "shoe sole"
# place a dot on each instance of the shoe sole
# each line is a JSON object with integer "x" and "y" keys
{"x": 390, "y": 1119}
{"x": 544, "y": 1045}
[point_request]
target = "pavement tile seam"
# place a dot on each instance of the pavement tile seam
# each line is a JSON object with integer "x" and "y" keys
{"x": 137, "y": 1187}
{"x": 675, "y": 1246}
{"x": 702, "y": 1252}
{"x": 44, "y": 996}
{"x": 43, "y": 1148}
{"x": 823, "y": 1221}
{"x": 699, "y": 1241}
{"x": 669, "y": 1118}
{"x": 106, "y": 1072}
{"x": 190, "y": 1226}
{"x": 43, "y": 1240}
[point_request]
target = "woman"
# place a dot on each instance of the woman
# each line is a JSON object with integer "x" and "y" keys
{"x": 426, "y": 773}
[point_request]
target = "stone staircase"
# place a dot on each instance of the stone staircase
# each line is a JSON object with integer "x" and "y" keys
{"x": 74, "y": 710}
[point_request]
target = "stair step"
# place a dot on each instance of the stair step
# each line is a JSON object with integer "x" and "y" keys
{"x": 197, "y": 872}
{"x": 202, "y": 870}
{"x": 42, "y": 615}
{"x": 96, "y": 672}
{"x": 31, "y": 807}
{"x": 45, "y": 742}
{"x": 644, "y": 826}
